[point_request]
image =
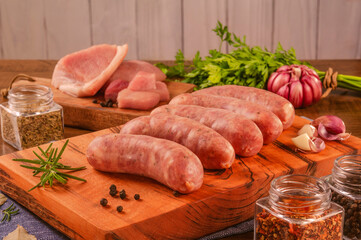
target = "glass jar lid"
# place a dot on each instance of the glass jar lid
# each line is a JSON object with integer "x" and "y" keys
{"x": 346, "y": 174}
{"x": 30, "y": 98}
{"x": 299, "y": 194}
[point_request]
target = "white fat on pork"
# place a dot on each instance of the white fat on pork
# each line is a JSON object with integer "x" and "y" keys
{"x": 83, "y": 73}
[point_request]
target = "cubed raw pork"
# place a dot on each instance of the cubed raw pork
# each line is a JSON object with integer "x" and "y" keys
{"x": 140, "y": 100}
{"x": 143, "y": 81}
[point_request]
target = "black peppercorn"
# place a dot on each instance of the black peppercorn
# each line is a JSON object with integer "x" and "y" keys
{"x": 95, "y": 101}
{"x": 176, "y": 193}
{"x": 103, "y": 202}
{"x": 109, "y": 103}
{"x": 119, "y": 208}
{"x": 113, "y": 193}
{"x": 103, "y": 104}
{"x": 122, "y": 194}
{"x": 137, "y": 196}
{"x": 113, "y": 187}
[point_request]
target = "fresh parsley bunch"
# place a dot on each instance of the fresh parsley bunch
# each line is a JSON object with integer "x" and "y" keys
{"x": 245, "y": 65}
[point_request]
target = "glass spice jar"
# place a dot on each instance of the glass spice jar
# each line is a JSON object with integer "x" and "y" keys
{"x": 30, "y": 117}
{"x": 345, "y": 184}
{"x": 298, "y": 207}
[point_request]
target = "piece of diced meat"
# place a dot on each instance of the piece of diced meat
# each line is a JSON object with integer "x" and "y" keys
{"x": 111, "y": 93}
{"x": 143, "y": 81}
{"x": 83, "y": 73}
{"x": 162, "y": 90}
{"x": 140, "y": 100}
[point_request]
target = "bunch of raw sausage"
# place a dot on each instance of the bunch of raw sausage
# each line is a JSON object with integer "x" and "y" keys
{"x": 204, "y": 129}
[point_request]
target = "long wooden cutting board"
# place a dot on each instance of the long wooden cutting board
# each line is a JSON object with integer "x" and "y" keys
{"x": 83, "y": 113}
{"x": 226, "y": 197}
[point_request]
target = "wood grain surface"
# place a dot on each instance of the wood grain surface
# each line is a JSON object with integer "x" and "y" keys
{"x": 344, "y": 103}
{"x": 226, "y": 197}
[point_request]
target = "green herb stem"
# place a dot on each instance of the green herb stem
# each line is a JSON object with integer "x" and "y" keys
{"x": 9, "y": 212}
{"x": 245, "y": 65}
{"x": 49, "y": 166}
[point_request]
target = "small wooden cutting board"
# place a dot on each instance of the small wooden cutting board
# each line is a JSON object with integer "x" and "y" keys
{"x": 226, "y": 197}
{"x": 83, "y": 113}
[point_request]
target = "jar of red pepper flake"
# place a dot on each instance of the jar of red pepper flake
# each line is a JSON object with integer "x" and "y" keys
{"x": 345, "y": 183}
{"x": 298, "y": 207}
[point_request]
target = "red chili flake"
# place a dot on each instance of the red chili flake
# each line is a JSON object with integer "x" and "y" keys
{"x": 272, "y": 227}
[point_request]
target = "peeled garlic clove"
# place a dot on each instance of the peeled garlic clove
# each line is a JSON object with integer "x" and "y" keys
{"x": 302, "y": 142}
{"x": 309, "y": 129}
{"x": 305, "y": 143}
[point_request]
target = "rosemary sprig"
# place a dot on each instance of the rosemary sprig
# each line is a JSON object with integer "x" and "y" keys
{"x": 49, "y": 166}
{"x": 8, "y": 212}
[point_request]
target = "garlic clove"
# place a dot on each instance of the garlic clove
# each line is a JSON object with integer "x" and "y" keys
{"x": 331, "y": 136}
{"x": 302, "y": 141}
{"x": 317, "y": 145}
{"x": 307, "y": 95}
{"x": 296, "y": 94}
{"x": 309, "y": 129}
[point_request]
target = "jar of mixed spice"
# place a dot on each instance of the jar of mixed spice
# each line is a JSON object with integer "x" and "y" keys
{"x": 30, "y": 117}
{"x": 345, "y": 183}
{"x": 298, "y": 207}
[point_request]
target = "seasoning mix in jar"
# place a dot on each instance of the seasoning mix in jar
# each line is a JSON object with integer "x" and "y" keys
{"x": 298, "y": 207}
{"x": 345, "y": 184}
{"x": 30, "y": 117}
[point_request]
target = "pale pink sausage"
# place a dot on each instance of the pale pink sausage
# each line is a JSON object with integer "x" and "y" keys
{"x": 214, "y": 151}
{"x": 242, "y": 133}
{"x": 269, "y": 124}
{"x": 273, "y": 102}
{"x": 162, "y": 160}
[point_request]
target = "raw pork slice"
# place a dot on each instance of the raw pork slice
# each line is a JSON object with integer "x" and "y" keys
{"x": 128, "y": 69}
{"x": 83, "y": 73}
{"x": 141, "y": 100}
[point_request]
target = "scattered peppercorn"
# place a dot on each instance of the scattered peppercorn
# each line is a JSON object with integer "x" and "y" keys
{"x": 113, "y": 187}
{"x": 109, "y": 103}
{"x": 113, "y": 193}
{"x": 103, "y": 104}
{"x": 122, "y": 194}
{"x": 176, "y": 193}
{"x": 103, "y": 202}
{"x": 95, "y": 101}
{"x": 119, "y": 208}
{"x": 137, "y": 196}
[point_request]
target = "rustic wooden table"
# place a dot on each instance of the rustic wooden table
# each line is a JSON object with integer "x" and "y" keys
{"x": 344, "y": 103}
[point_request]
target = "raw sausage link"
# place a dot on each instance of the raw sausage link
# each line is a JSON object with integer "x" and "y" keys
{"x": 273, "y": 102}
{"x": 242, "y": 133}
{"x": 165, "y": 161}
{"x": 214, "y": 151}
{"x": 269, "y": 124}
